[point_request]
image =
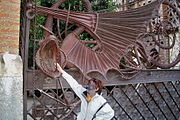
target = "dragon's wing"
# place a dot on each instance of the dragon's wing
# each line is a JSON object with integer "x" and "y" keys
{"x": 86, "y": 59}
{"x": 116, "y": 32}
{"x": 120, "y": 29}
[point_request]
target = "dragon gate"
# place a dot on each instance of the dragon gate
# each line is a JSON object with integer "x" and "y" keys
{"x": 130, "y": 50}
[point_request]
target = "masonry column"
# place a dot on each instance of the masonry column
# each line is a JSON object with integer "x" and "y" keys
{"x": 11, "y": 77}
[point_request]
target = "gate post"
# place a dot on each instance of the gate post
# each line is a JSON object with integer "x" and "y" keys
{"x": 11, "y": 75}
{"x": 11, "y": 87}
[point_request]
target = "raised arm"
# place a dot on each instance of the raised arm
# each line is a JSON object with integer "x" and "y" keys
{"x": 77, "y": 88}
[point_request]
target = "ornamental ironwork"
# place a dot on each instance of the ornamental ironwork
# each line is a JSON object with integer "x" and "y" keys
{"x": 117, "y": 36}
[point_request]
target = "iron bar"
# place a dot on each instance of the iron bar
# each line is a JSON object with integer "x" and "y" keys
{"x": 34, "y": 52}
{"x": 131, "y": 103}
{"x": 31, "y": 116}
{"x": 50, "y": 108}
{"x": 58, "y": 97}
{"x": 67, "y": 20}
{"x": 44, "y": 115}
{"x": 52, "y": 97}
{"x": 144, "y": 102}
{"x": 57, "y": 94}
{"x": 71, "y": 110}
{"x": 41, "y": 104}
{"x": 164, "y": 100}
{"x": 58, "y": 30}
{"x": 28, "y": 110}
{"x": 154, "y": 101}
{"x": 175, "y": 88}
{"x": 46, "y": 29}
{"x": 72, "y": 106}
{"x": 119, "y": 104}
{"x": 89, "y": 42}
{"x": 56, "y": 105}
{"x": 46, "y": 107}
{"x": 24, "y": 50}
{"x": 63, "y": 32}
{"x": 60, "y": 83}
{"x": 171, "y": 96}
{"x": 115, "y": 117}
{"x": 116, "y": 79}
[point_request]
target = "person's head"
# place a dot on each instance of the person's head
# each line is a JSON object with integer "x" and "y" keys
{"x": 94, "y": 86}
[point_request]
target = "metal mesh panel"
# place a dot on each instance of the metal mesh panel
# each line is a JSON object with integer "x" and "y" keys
{"x": 136, "y": 102}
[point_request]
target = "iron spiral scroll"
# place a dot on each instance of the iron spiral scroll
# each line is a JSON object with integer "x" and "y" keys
{"x": 117, "y": 36}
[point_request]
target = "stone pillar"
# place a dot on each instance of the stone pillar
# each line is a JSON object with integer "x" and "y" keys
{"x": 11, "y": 77}
{"x": 11, "y": 87}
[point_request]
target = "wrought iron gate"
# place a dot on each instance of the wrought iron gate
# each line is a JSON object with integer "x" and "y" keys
{"x": 152, "y": 94}
{"x": 156, "y": 97}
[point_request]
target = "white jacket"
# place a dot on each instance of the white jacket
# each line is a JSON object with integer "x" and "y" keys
{"x": 89, "y": 109}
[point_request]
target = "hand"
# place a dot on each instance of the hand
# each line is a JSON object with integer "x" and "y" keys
{"x": 59, "y": 68}
{"x": 94, "y": 119}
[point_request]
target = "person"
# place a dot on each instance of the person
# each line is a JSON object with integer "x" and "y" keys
{"x": 93, "y": 105}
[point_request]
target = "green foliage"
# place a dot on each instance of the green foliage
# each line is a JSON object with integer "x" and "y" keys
{"x": 74, "y": 5}
{"x": 103, "y": 4}
{"x": 35, "y": 33}
{"x": 87, "y": 36}
{"x": 123, "y": 62}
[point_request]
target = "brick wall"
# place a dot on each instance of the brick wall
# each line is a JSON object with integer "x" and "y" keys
{"x": 9, "y": 26}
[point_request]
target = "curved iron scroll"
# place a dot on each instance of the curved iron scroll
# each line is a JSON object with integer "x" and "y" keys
{"x": 117, "y": 34}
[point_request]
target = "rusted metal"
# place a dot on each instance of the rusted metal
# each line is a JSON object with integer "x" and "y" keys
{"x": 132, "y": 103}
{"x": 175, "y": 88}
{"x": 124, "y": 109}
{"x": 135, "y": 89}
{"x": 115, "y": 35}
{"x": 114, "y": 78}
{"x": 24, "y": 53}
{"x": 171, "y": 96}
{"x": 110, "y": 94}
{"x": 48, "y": 55}
{"x": 154, "y": 101}
{"x": 52, "y": 97}
{"x": 164, "y": 101}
